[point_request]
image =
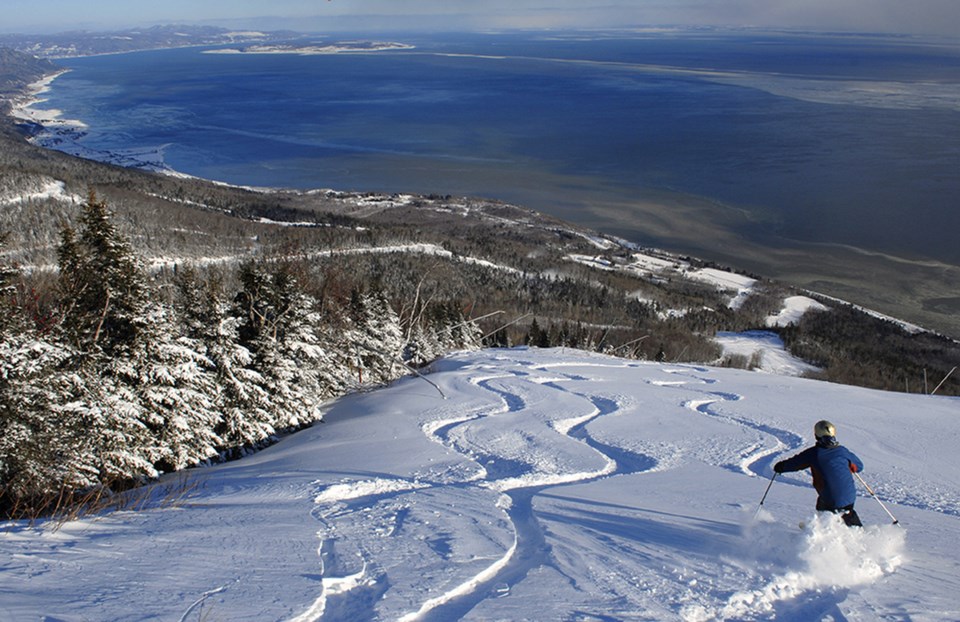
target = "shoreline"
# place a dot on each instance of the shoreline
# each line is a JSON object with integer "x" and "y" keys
{"x": 821, "y": 274}
{"x": 20, "y": 105}
{"x": 51, "y": 131}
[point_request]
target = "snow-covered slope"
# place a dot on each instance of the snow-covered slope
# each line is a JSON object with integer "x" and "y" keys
{"x": 545, "y": 485}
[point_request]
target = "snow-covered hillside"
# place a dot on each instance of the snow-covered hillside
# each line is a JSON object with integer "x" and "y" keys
{"x": 542, "y": 485}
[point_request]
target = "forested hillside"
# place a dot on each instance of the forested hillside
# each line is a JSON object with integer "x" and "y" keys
{"x": 153, "y": 322}
{"x": 17, "y": 71}
{"x": 111, "y": 376}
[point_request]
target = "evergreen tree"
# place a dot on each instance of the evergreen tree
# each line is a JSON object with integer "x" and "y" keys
{"x": 8, "y": 274}
{"x": 536, "y": 336}
{"x": 374, "y": 338}
{"x": 262, "y": 307}
{"x": 499, "y": 339}
{"x": 43, "y": 448}
{"x": 118, "y": 426}
{"x": 305, "y": 369}
{"x": 102, "y": 286}
{"x": 177, "y": 388}
{"x": 197, "y": 300}
{"x": 446, "y": 330}
{"x": 241, "y": 397}
{"x": 104, "y": 305}
{"x": 290, "y": 346}
{"x": 425, "y": 336}
{"x": 422, "y": 346}
{"x": 48, "y": 442}
{"x": 244, "y": 398}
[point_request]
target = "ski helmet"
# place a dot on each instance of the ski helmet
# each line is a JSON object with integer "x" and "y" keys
{"x": 824, "y": 428}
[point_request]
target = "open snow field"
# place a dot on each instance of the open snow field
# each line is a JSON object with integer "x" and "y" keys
{"x": 545, "y": 485}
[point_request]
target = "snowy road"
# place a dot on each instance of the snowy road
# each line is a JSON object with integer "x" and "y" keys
{"x": 546, "y": 485}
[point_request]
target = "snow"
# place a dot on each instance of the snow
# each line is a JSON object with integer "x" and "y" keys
{"x": 659, "y": 265}
{"x": 726, "y": 280}
{"x": 158, "y": 263}
{"x": 545, "y": 485}
{"x": 769, "y": 347}
{"x": 24, "y": 108}
{"x": 41, "y": 189}
{"x": 793, "y": 309}
{"x": 910, "y": 328}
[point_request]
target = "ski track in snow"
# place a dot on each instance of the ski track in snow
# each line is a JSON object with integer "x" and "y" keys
{"x": 755, "y": 459}
{"x": 518, "y": 481}
{"x": 758, "y": 460}
{"x": 352, "y": 582}
{"x": 530, "y": 549}
{"x": 550, "y": 488}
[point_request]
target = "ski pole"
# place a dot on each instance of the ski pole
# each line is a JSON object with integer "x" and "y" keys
{"x": 874, "y": 495}
{"x": 765, "y": 494}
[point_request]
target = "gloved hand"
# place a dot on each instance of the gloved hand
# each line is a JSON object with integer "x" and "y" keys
{"x": 778, "y": 467}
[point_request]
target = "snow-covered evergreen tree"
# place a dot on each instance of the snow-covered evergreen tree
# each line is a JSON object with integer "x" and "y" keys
{"x": 422, "y": 345}
{"x": 299, "y": 368}
{"x": 7, "y": 291}
{"x": 38, "y": 457}
{"x": 104, "y": 306}
{"x": 284, "y": 333}
{"x": 374, "y": 340}
{"x": 103, "y": 289}
{"x": 211, "y": 324}
{"x": 47, "y": 411}
{"x": 442, "y": 328}
{"x": 454, "y": 331}
{"x": 177, "y": 388}
{"x": 119, "y": 425}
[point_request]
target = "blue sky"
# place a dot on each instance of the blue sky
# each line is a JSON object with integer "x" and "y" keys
{"x": 902, "y": 16}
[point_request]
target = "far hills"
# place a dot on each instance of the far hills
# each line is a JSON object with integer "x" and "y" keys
{"x": 86, "y": 43}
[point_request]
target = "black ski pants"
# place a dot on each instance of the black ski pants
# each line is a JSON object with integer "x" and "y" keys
{"x": 848, "y": 514}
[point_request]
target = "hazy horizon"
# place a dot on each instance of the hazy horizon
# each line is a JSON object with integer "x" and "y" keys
{"x": 921, "y": 17}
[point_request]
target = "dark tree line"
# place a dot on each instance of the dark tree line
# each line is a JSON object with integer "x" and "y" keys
{"x": 854, "y": 347}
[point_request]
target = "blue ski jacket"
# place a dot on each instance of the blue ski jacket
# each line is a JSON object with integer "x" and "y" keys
{"x": 832, "y": 467}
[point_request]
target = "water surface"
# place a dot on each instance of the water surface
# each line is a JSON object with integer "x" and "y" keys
{"x": 776, "y": 137}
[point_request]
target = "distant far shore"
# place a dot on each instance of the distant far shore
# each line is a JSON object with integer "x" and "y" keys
{"x": 311, "y": 50}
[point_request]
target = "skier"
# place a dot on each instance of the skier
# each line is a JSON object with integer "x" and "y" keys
{"x": 832, "y": 466}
